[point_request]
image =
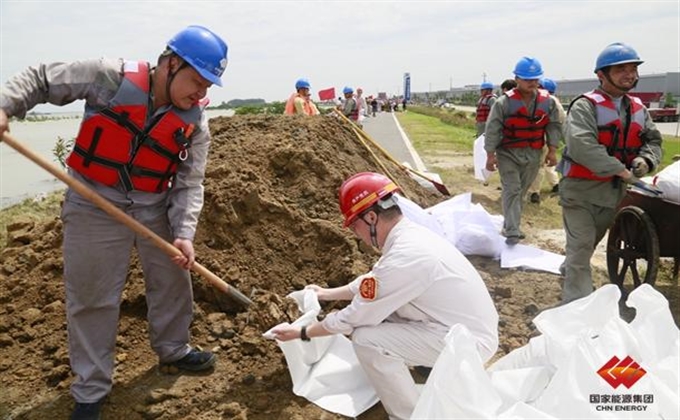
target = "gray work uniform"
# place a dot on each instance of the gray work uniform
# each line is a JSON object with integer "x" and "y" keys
{"x": 517, "y": 166}
{"x": 97, "y": 248}
{"x": 589, "y": 206}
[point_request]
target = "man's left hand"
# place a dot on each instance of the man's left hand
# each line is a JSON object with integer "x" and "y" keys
{"x": 640, "y": 167}
{"x": 186, "y": 260}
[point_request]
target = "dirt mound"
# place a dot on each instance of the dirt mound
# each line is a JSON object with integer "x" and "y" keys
{"x": 270, "y": 225}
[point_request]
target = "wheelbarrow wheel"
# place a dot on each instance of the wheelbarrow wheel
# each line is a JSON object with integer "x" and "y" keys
{"x": 632, "y": 249}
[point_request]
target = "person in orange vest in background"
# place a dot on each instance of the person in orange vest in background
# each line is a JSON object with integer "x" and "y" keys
{"x": 519, "y": 124}
{"x": 300, "y": 102}
{"x": 152, "y": 117}
{"x": 484, "y": 104}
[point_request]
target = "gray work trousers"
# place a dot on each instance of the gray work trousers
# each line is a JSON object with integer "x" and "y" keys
{"x": 517, "y": 168}
{"x": 96, "y": 260}
{"x": 386, "y": 351}
{"x": 585, "y": 224}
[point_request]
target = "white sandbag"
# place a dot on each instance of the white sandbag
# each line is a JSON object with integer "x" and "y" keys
{"x": 668, "y": 181}
{"x": 417, "y": 214}
{"x": 325, "y": 370}
{"x": 458, "y": 386}
{"x": 479, "y": 159}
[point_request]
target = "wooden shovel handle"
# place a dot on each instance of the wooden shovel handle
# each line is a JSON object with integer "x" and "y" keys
{"x": 121, "y": 216}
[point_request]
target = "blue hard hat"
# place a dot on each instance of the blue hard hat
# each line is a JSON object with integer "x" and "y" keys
{"x": 302, "y": 84}
{"x": 548, "y": 84}
{"x": 486, "y": 85}
{"x": 528, "y": 68}
{"x": 616, "y": 53}
{"x": 347, "y": 90}
{"x": 204, "y": 50}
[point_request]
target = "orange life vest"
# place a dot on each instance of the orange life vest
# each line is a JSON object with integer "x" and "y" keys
{"x": 116, "y": 144}
{"x": 624, "y": 144}
{"x": 307, "y": 107}
{"x": 483, "y": 107}
{"x": 521, "y": 129}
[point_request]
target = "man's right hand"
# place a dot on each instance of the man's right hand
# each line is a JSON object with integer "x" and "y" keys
{"x": 491, "y": 161}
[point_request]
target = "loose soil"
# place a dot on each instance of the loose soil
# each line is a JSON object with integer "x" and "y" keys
{"x": 270, "y": 225}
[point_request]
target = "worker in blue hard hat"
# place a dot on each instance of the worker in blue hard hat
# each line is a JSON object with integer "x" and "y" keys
{"x": 611, "y": 141}
{"x": 300, "y": 102}
{"x": 143, "y": 145}
{"x": 521, "y": 121}
{"x": 546, "y": 172}
{"x": 484, "y": 104}
{"x": 350, "y": 107}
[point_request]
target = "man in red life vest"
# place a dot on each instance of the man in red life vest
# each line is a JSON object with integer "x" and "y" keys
{"x": 611, "y": 140}
{"x": 300, "y": 102}
{"x": 521, "y": 121}
{"x": 142, "y": 145}
{"x": 484, "y": 104}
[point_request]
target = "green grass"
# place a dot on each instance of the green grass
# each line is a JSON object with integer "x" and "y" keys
{"x": 430, "y": 135}
{"x": 671, "y": 147}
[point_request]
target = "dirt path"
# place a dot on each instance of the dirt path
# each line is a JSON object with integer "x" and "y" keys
{"x": 270, "y": 226}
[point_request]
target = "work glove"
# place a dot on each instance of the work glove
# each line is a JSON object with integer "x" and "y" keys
{"x": 639, "y": 167}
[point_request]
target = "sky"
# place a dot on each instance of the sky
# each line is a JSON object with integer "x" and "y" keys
{"x": 367, "y": 44}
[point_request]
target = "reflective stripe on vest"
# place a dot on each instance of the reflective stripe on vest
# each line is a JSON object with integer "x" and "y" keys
{"x": 611, "y": 133}
{"x": 483, "y": 108}
{"x": 116, "y": 145}
{"x": 521, "y": 129}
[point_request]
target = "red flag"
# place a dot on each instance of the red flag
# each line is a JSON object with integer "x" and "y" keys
{"x": 327, "y": 94}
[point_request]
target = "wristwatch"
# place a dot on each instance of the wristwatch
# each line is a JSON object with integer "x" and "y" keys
{"x": 303, "y": 334}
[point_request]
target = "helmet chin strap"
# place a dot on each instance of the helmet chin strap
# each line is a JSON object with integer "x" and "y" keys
{"x": 170, "y": 77}
{"x": 374, "y": 235}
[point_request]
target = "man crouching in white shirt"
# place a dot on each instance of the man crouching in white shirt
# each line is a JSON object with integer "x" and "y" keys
{"x": 403, "y": 308}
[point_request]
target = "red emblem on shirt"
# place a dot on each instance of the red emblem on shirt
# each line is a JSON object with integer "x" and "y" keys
{"x": 368, "y": 288}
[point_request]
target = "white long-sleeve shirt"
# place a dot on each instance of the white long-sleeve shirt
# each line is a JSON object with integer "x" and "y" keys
{"x": 421, "y": 278}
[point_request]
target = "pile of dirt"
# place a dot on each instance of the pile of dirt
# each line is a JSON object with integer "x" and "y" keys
{"x": 270, "y": 225}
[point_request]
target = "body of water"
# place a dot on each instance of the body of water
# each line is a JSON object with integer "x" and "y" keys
{"x": 20, "y": 178}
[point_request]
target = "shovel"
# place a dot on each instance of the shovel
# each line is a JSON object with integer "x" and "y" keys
{"x": 439, "y": 186}
{"x": 122, "y": 217}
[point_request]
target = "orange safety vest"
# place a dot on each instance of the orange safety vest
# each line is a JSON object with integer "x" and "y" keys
{"x": 520, "y": 129}
{"x": 624, "y": 144}
{"x": 307, "y": 107}
{"x": 483, "y": 107}
{"x": 115, "y": 144}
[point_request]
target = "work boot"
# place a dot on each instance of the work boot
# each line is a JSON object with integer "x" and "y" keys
{"x": 512, "y": 240}
{"x": 535, "y": 198}
{"x": 87, "y": 411}
{"x": 194, "y": 361}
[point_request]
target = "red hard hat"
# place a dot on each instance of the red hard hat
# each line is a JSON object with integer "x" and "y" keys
{"x": 361, "y": 191}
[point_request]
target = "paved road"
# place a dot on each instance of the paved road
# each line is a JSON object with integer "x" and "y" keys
{"x": 385, "y": 129}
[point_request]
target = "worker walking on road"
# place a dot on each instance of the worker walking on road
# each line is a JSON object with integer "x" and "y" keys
{"x": 611, "y": 141}
{"x": 519, "y": 123}
{"x": 547, "y": 172}
{"x": 484, "y": 104}
{"x": 142, "y": 145}
{"x": 300, "y": 102}
{"x": 401, "y": 311}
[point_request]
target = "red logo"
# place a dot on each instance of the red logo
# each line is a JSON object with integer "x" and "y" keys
{"x": 617, "y": 372}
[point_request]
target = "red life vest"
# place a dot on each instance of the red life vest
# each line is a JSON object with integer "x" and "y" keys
{"x": 483, "y": 107}
{"x": 623, "y": 144}
{"x": 115, "y": 144}
{"x": 520, "y": 129}
{"x": 354, "y": 113}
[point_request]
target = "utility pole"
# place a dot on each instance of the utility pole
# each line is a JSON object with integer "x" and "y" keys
{"x": 484, "y": 77}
